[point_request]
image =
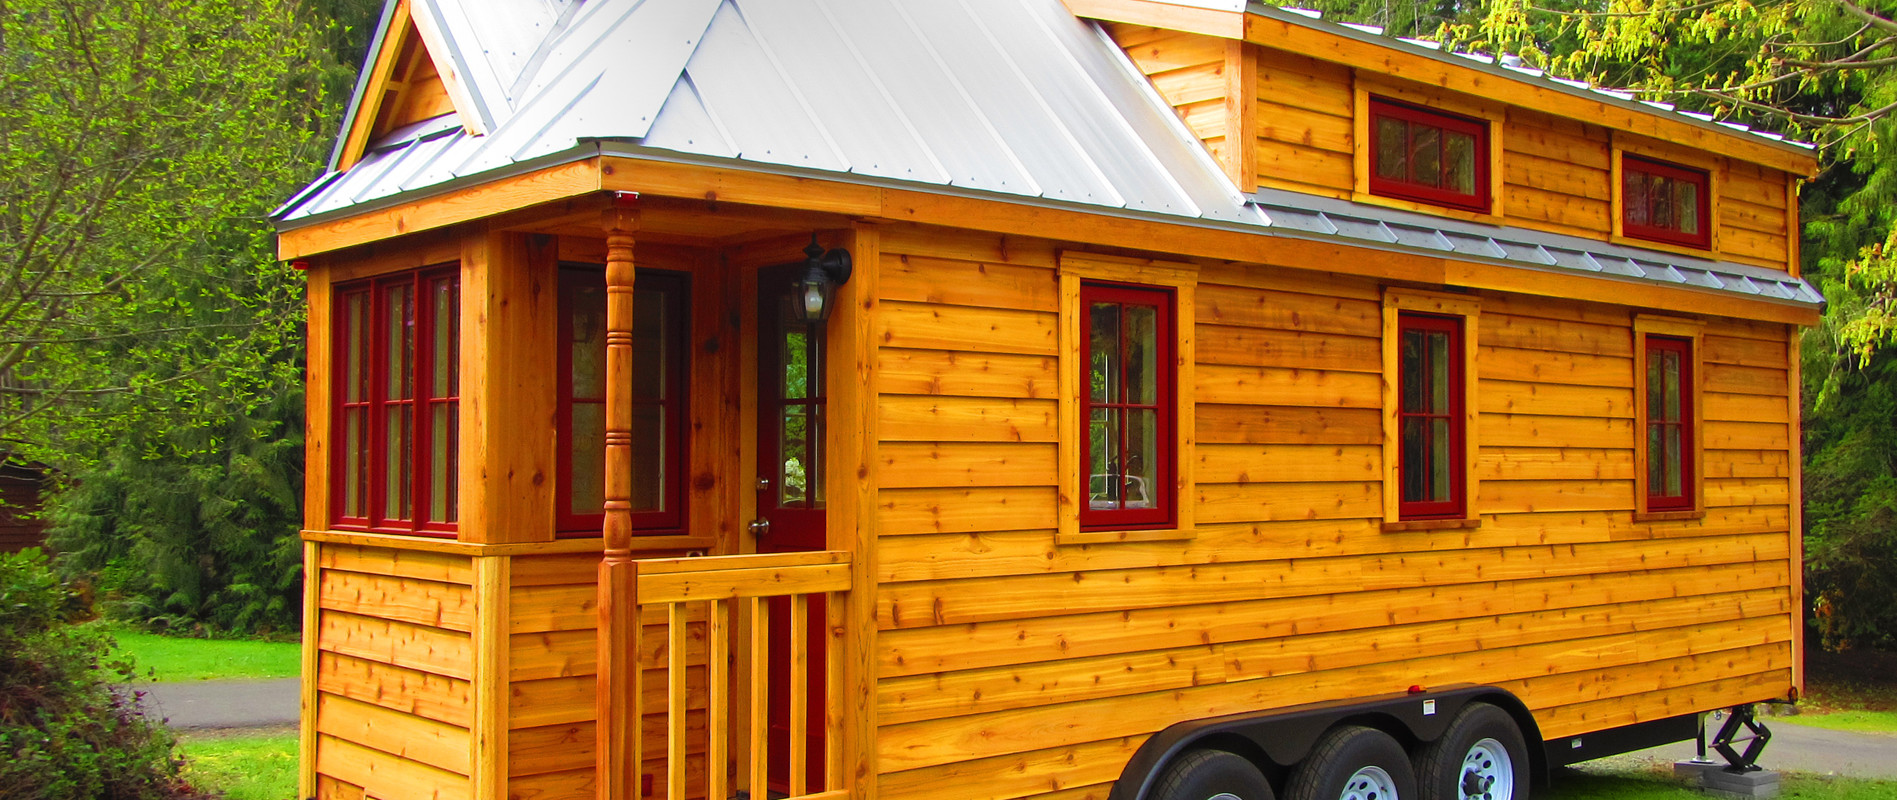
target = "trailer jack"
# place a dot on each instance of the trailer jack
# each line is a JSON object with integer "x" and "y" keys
{"x": 1741, "y": 728}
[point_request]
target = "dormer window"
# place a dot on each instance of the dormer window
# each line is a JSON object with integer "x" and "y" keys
{"x": 1664, "y": 202}
{"x": 1427, "y": 156}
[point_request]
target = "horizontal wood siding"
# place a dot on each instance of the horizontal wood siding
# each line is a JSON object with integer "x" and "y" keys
{"x": 1189, "y": 71}
{"x": 553, "y": 662}
{"x": 1303, "y": 110}
{"x": 1557, "y": 175}
{"x": 1015, "y": 667}
{"x": 394, "y": 659}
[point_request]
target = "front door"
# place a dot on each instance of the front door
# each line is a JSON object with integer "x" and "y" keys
{"x": 790, "y": 502}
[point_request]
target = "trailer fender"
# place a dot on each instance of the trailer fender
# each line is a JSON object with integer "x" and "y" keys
{"x": 1284, "y": 736}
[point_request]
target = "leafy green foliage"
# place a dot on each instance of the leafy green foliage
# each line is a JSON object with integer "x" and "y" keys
{"x": 65, "y": 732}
{"x": 205, "y": 537}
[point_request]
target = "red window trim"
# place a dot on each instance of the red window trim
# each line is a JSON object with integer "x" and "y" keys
{"x": 1700, "y": 178}
{"x": 374, "y": 453}
{"x": 1479, "y": 201}
{"x": 676, "y": 457}
{"x": 1686, "y": 499}
{"x": 1164, "y": 514}
{"x": 1456, "y": 506}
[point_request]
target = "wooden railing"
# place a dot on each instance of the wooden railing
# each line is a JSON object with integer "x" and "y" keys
{"x": 743, "y": 584}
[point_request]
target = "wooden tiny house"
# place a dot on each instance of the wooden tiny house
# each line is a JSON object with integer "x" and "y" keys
{"x": 1192, "y": 363}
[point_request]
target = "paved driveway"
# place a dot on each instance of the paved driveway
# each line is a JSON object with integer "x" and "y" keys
{"x": 1799, "y": 748}
{"x": 224, "y": 704}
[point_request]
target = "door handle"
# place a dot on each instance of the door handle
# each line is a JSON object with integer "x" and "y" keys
{"x": 759, "y": 527}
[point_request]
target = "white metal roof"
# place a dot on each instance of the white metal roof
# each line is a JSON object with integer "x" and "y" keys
{"x": 1015, "y": 99}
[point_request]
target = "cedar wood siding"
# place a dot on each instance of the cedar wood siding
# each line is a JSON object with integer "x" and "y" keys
{"x": 1557, "y": 172}
{"x": 1015, "y": 667}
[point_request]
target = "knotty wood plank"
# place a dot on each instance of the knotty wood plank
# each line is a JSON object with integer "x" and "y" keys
{"x": 1523, "y": 430}
{"x": 937, "y": 419}
{"x": 383, "y": 775}
{"x": 966, "y": 374}
{"x": 921, "y": 279}
{"x": 960, "y": 464}
{"x": 1287, "y": 387}
{"x": 949, "y": 510}
{"x": 1258, "y": 502}
{"x": 422, "y": 694}
{"x": 1553, "y": 464}
{"x": 398, "y": 563}
{"x": 1535, "y": 333}
{"x": 401, "y": 644}
{"x": 1246, "y": 424}
{"x": 423, "y": 602}
{"x": 1540, "y": 366}
{"x": 944, "y": 327}
{"x": 404, "y": 736}
{"x": 1268, "y": 347}
{"x": 1250, "y": 463}
{"x": 1553, "y": 399}
{"x": 1292, "y": 311}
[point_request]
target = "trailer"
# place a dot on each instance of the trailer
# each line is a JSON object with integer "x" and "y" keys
{"x": 994, "y": 399}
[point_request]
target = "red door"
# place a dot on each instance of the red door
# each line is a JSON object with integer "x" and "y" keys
{"x": 790, "y": 503}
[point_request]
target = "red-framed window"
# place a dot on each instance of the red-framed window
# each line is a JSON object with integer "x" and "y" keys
{"x": 1430, "y": 418}
{"x": 1129, "y": 406}
{"x": 659, "y": 401}
{"x": 1665, "y": 202}
{"x": 397, "y": 417}
{"x": 1669, "y": 423}
{"x": 1428, "y": 156}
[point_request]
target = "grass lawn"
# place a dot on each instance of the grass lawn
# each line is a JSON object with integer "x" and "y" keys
{"x": 1854, "y": 721}
{"x": 1596, "y": 784}
{"x": 168, "y": 658}
{"x": 250, "y": 765}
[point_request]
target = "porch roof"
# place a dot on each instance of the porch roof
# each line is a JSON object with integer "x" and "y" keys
{"x": 1012, "y": 99}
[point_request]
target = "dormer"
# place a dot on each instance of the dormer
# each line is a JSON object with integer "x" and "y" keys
{"x": 1290, "y": 103}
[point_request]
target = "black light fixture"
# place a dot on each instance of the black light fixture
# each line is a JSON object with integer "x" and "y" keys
{"x": 824, "y": 271}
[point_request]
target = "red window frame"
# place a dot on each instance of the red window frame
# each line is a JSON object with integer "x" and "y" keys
{"x": 1632, "y": 165}
{"x": 1165, "y": 405}
{"x": 675, "y": 405}
{"x": 1456, "y": 504}
{"x": 1477, "y": 200}
{"x": 1658, "y": 424}
{"x": 368, "y": 389}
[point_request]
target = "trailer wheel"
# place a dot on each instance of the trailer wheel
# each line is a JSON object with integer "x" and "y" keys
{"x": 1211, "y": 775}
{"x": 1480, "y": 757}
{"x": 1354, "y": 763}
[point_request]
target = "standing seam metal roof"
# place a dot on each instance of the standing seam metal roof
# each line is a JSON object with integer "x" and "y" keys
{"x": 1010, "y": 98}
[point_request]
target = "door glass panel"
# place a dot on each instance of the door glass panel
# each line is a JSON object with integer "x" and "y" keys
{"x": 355, "y": 440}
{"x": 794, "y": 438}
{"x": 588, "y": 458}
{"x": 648, "y": 457}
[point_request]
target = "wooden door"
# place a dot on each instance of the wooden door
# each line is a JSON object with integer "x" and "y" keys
{"x": 790, "y": 503}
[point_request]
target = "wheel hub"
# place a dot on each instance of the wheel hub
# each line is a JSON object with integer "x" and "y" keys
{"x": 1369, "y": 783}
{"x": 1487, "y": 772}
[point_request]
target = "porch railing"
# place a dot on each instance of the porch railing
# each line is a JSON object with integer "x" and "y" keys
{"x": 743, "y": 584}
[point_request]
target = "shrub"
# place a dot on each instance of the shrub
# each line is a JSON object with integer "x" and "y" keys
{"x": 68, "y": 728}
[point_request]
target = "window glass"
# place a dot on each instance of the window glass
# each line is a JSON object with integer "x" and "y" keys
{"x": 397, "y": 402}
{"x": 1669, "y": 423}
{"x": 1664, "y": 202}
{"x": 1130, "y": 407}
{"x": 1430, "y": 426}
{"x": 657, "y": 392}
{"x": 1418, "y": 154}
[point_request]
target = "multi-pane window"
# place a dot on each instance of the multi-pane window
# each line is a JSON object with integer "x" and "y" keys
{"x": 1128, "y": 406}
{"x": 1427, "y": 156}
{"x": 1664, "y": 203}
{"x": 397, "y": 401}
{"x": 1430, "y": 417}
{"x": 658, "y": 400}
{"x": 1669, "y": 419}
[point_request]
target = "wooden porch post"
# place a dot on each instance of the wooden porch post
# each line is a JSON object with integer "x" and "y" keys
{"x": 618, "y": 701}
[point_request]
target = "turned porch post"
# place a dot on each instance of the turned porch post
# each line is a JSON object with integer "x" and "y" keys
{"x": 618, "y": 703}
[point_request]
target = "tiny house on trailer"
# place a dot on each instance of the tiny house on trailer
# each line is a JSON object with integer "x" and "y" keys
{"x": 994, "y": 399}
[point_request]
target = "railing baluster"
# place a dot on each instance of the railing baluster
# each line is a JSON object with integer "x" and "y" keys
{"x": 717, "y": 690}
{"x": 799, "y": 698}
{"x": 760, "y": 696}
{"x": 677, "y": 691}
{"x": 834, "y": 701}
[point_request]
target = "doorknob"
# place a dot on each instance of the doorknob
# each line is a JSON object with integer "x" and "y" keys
{"x": 760, "y": 527}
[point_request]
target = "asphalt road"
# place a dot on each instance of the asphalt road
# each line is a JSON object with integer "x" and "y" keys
{"x": 200, "y": 705}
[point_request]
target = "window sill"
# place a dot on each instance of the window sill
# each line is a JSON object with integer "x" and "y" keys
{"x": 1668, "y": 516}
{"x": 1109, "y": 537}
{"x": 1431, "y": 524}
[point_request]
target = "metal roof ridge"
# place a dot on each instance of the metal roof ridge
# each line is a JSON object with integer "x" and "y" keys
{"x": 882, "y": 90}
{"x": 1034, "y": 187}
{"x": 796, "y": 93}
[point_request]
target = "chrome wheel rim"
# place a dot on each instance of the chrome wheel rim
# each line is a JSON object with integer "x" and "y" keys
{"x": 1225, "y": 796}
{"x": 1369, "y": 783}
{"x": 1487, "y": 773}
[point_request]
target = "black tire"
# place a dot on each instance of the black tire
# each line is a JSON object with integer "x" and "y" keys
{"x": 1353, "y": 763}
{"x": 1480, "y": 757}
{"x": 1211, "y": 775}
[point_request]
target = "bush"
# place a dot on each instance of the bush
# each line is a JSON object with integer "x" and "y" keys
{"x": 68, "y": 729}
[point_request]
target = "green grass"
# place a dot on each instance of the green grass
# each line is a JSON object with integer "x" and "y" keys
{"x": 1596, "y": 784}
{"x": 168, "y": 658}
{"x": 244, "y": 766}
{"x": 1854, "y": 721}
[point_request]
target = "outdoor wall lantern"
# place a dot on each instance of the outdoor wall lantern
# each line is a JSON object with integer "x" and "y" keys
{"x": 824, "y": 271}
